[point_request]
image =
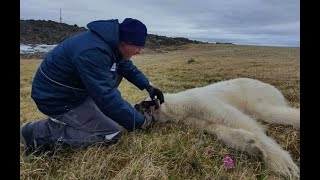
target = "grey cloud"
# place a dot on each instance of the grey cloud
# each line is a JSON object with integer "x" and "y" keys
{"x": 257, "y": 21}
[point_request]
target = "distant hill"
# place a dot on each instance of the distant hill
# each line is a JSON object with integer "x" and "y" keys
{"x": 51, "y": 32}
{"x": 46, "y": 32}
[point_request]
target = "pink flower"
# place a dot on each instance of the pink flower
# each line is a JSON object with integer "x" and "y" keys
{"x": 228, "y": 162}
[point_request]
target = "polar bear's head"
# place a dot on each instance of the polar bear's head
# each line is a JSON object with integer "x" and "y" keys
{"x": 149, "y": 106}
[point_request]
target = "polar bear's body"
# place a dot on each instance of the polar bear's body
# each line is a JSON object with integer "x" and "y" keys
{"x": 229, "y": 109}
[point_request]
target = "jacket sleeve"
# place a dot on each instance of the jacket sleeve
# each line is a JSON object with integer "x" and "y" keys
{"x": 129, "y": 71}
{"x": 93, "y": 67}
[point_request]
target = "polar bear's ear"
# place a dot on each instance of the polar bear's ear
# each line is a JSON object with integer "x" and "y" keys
{"x": 147, "y": 99}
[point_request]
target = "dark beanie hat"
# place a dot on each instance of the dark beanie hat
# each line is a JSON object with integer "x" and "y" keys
{"x": 133, "y": 32}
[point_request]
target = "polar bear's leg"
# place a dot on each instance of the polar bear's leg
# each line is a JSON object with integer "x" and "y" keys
{"x": 237, "y": 139}
{"x": 277, "y": 160}
{"x": 277, "y": 114}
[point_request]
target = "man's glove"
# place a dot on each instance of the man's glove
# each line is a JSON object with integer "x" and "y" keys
{"x": 148, "y": 118}
{"x": 148, "y": 121}
{"x": 155, "y": 92}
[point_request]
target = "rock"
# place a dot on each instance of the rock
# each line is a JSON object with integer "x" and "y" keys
{"x": 190, "y": 60}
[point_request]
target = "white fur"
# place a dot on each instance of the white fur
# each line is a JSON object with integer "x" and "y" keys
{"x": 229, "y": 109}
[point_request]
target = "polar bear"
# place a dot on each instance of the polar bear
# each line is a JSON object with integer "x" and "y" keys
{"x": 229, "y": 110}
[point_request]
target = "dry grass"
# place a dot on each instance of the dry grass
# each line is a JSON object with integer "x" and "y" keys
{"x": 175, "y": 151}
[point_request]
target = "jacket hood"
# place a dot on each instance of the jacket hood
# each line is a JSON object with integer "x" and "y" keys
{"x": 108, "y": 30}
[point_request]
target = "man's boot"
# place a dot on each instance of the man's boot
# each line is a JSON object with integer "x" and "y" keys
{"x": 30, "y": 145}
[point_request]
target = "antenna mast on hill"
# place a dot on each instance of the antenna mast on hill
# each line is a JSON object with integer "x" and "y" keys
{"x": 60, "y": 16}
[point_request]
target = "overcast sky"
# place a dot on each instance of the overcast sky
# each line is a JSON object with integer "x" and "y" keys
{"x": 253, "y": 22}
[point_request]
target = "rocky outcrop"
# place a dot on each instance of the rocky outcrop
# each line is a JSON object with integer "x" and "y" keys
{"x": 51, "y": 32}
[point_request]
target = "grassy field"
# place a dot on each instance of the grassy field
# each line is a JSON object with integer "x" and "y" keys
{"x": 174, "y": 151}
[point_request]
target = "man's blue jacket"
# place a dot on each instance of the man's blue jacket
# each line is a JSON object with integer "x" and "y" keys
{"x": 86, "y": 65}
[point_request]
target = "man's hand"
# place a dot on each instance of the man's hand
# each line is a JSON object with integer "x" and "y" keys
{"x": 155, "y": 92}
{"x": 148, "y": 116}
{"x": 148, "y": 121}
{"x": 138, "y": 107}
